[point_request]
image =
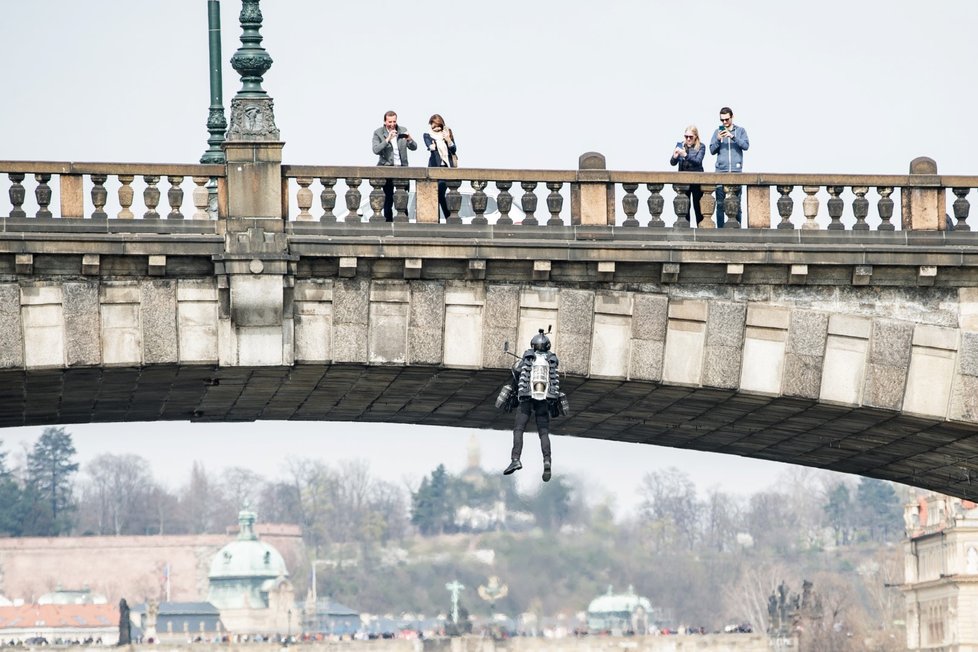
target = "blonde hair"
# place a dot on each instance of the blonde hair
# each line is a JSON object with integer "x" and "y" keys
{"x": 696, "y": 136}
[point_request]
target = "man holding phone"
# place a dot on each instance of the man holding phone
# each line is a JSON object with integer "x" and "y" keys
{"x": 391, "y": 143}
{"x": 729, "y": 142}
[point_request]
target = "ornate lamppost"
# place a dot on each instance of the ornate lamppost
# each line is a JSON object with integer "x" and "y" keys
{"x": 252, "y": 117}
{"x": 216, "y": 124}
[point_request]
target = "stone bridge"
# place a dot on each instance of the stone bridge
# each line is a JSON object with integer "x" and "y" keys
{"x": 835, "y": 339}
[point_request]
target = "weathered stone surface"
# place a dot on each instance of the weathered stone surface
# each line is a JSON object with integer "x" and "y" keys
{"x": 426, "y": 325}
{"x": 11, "y": 332}
{"x": 929, "y": 382}
{"x": 610, "y": 346}
{"x": 350, "y": 320}
{"x": 575, "y": 321}
{"x": 649, "y": 316}
{"x": 82, "y": 324}
{"x": 158, "y": 308}
{"x": 724, "y": 344}
{"x": 890, "y": 344}
{"x": 968, "y": 354}
{"x": 500, "y": 320}
{"x": 646, "y": 362}
{"x": 964, "y": 399}
{"x": 884, "y": 386}
{"x": 802, "y": 375}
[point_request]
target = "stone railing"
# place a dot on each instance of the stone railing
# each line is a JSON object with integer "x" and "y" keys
{"x": 832, "y": 202}
{"x": 43, "y": 191}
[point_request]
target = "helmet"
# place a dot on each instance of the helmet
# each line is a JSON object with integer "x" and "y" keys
{"x": 540, "y": 342}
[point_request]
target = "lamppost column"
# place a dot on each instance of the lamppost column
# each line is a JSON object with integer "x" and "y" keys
{"x": 216, "y": 123}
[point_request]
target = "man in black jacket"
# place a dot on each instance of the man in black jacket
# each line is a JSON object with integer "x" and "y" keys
{"x": 538, "y": 394}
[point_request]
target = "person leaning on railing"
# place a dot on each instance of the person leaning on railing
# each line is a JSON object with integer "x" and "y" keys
{"x": 440, "y": 142}
{"x": 729, "y": 142}
{"x": 391, "y": 143}
{"x": 688, "y": 155}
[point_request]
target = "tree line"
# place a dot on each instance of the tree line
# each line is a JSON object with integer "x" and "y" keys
{"x": 704, "y": 559}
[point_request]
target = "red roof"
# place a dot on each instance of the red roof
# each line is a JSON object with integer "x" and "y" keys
{"x": 81, "y": 616}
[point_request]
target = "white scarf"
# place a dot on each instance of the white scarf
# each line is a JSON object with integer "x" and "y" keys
{"x": 439, "y": 138}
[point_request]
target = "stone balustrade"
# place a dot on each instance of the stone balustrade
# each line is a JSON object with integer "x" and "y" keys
{"x": 832, "y": 202}
{"x": 121, "y": 192}
{"x": 587, "y": 196}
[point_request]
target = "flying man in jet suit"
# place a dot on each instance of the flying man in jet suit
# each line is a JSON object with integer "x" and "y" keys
{"x": 537, "y": 393}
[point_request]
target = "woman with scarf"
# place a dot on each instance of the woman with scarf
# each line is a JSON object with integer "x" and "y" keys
{"x": 441, "y": 145}
{"x": 688, "y": 154}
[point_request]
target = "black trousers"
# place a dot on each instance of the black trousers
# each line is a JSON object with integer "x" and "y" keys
{"x": 541, "y": 410}
{"x": 389, "y": 200}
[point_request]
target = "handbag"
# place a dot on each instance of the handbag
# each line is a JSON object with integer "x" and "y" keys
{"x": 453, "y": 160}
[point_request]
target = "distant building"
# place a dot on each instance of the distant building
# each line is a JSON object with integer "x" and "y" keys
{"x": 328, "y": 617}
{"x": 41, "y": 624}
{"x": 177, "y": 621}
{"x": 249, "y": 584}
{"x": 620, "y": 613}
{"x": 941, "y": 574}
{"x": 68, "y": 596}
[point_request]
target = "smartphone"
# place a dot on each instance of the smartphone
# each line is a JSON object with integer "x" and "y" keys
{"x": 402, "y": 135}
{"x": 721, "y": 128}
{"x": 679, "y": 145}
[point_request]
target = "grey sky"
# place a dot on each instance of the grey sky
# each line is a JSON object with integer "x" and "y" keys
{"x": 848, "y": 87}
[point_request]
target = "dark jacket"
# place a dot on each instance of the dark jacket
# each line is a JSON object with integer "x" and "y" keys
{"x": 434, "y": 158}
{"x": 693, "y": 161}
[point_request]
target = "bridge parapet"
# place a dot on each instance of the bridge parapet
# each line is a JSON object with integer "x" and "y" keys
{"x": 644, "y": 195}
{"x": 107, "y": 192}
{"x": 806, "y": 202}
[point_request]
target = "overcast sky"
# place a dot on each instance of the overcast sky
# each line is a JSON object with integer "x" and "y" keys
{"x": 847, "y": 87}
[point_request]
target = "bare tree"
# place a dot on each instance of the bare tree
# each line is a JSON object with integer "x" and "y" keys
{"x": 670, "y": 509}
{"x": 115, "y": 492}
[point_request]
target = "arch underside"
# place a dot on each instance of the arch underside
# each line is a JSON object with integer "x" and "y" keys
{"x": 928, "y": 453}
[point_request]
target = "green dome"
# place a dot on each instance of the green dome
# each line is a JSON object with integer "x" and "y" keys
{"x": 247, "y": 556}
{"x": 243, "y": 571}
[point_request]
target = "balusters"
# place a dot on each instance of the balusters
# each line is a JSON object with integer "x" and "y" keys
{"x": 43, "y": 195}
{"x": 655, "y": 203}
{"x": 401, "y": 200}
{"x": 529, "y": 202}
{"x": 860, "y": 208}
{"x": 555, "y": 202}
{"x": 327, "y": 198}
{"x": 504, "y": 201}
{"x": 479, "y": 202}
{"x": 885, "y": 208}
{"x": 629, "y": 204}
{"x": 151, "y": 197}
{"x": 708, "y": 206}
{"x": 303, "y": 199}
{"x": 961, "y": 208}
{"x": 835, "y": 205}
{"x": 809, "y": 207}
{"x": 174, "y": 197}
{"x": 17, "y": 194}
{"x": 453, "y": 201}
{"x": 99, "y": 196}
{"x": 353, "y": 199}
{"x": 731, "y": 207}
{"x": 376, "y": 199}
{"x": 201, "y": 197}
{"x": 681, "y": 205}
{"x": 785, "y": 206}
{"x": 126, "y": 194}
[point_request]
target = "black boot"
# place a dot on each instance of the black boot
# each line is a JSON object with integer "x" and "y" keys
{"x": 515, "y": 465}
{"x": 546, "y": 470}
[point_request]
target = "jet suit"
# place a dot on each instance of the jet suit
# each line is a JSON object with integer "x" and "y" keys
{"x": 537, "y": 394}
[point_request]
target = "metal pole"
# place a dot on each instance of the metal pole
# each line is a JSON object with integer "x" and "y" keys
{"x": 216, "y": 123}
